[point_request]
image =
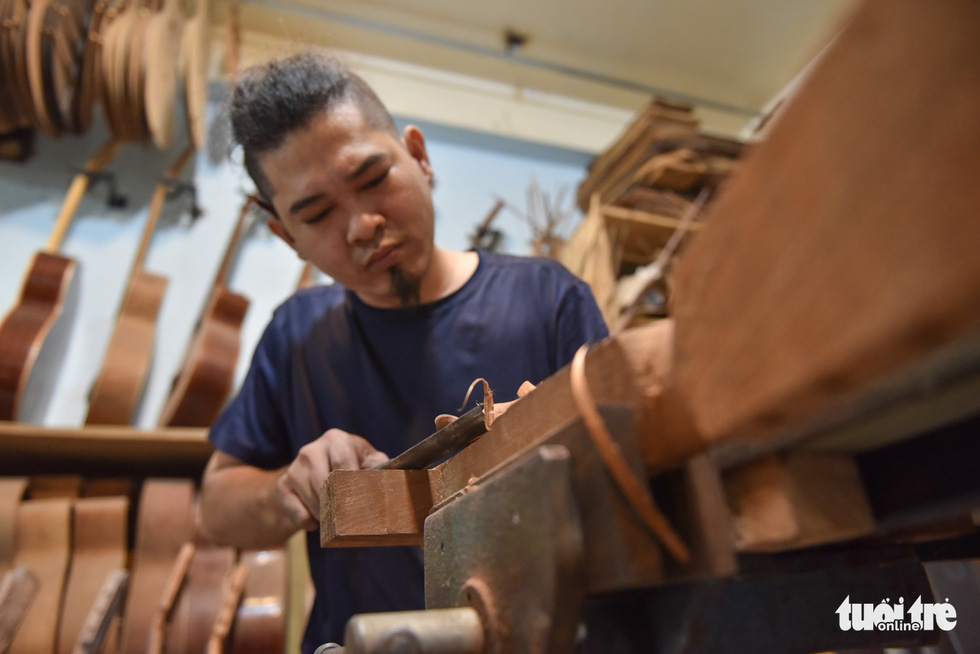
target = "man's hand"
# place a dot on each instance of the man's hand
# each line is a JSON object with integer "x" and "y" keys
{"x": 299, "y": 485}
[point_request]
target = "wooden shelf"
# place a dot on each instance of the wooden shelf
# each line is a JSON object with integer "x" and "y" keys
{"x": 102, "y": 451}
{"x": 638, "y": 235}
{"x": 621, "y": 214}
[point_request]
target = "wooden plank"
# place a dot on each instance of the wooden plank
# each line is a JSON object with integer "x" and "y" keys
{"x": 615, "y": 214}
{"x": 797, "y": 500}
{"x": 938, "y": 389}
{"x": 11, "y": 491}
{"x": 917, "y": 415}
{"x": 667, "y": 435}
{"x": 110, "y": 450}
{"x": 529, "y": 421}
{"x": 640, "y": 235}
{"x": 368, "y": 508}
{"x": 602, "y": 163}
{"x": 99, "y": 528}
{"x": 164, "y": 525}
{"x": 663, "y": 135}
{"x": 43, "y": 487}
{"x": 694, "y": 500}
{"x": 588, "y": 254}
{"x": 378, "y": 507}
{"x": 846, "y": 246}
{"x": 656, "y": 122}
{"x": 44, "y": 546}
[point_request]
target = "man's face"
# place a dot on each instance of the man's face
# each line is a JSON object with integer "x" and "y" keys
{"x": 355, "y": 201}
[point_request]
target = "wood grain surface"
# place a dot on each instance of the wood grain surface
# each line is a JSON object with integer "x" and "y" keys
{"x": 165, "y": 523}
{"x": 44, "y": 546}
{"x": 845, "y": 247}
{"x": 206, "y": 374}
{"x": 99, "y": 546}
{"x": 260, "y": 624}
{"x": 118, "y": 389}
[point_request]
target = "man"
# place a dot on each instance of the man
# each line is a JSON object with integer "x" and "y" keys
{"x": 347, "y": 371}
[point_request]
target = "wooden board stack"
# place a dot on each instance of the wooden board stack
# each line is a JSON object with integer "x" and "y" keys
{"x": 636, "y": 195}
{"x": 659, "y": 162}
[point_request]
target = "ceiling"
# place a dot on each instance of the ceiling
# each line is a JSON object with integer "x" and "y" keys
{"x": 729, "y": 59}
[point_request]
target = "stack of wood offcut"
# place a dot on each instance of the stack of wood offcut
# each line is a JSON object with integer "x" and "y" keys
{"x": 641, "y": 197}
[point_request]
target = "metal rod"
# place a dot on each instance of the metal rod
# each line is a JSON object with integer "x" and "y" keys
{"x": 436, "y": 631}
{"x": 451, "y": 438}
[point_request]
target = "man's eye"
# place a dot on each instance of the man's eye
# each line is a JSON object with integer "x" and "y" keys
{"x": 318, "y": 217}
{"x": 377, "y": 180}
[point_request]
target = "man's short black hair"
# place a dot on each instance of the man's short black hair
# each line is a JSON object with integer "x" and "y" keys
{"x": 276, "y": 98}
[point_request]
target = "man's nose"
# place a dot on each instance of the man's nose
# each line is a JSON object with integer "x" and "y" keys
{"x": 364, "y": 225}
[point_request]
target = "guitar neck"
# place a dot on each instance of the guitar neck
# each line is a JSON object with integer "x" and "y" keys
{"x": 76, "y": 192}
{"x": 156, "y": 208}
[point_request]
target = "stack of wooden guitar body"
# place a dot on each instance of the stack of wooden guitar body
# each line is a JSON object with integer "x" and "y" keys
{"x": 636, "y": 195}
{"x": 72, "y": 582}
{"x": 60, "y": 57}
{"x": 659, "y": 163}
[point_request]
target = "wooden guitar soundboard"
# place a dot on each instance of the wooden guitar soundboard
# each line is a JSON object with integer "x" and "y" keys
{"x": 165, "y": 524}
{"x": 205, "y": 377}
{"x": 118, "y": 389}
{"x": 32, "y": 338}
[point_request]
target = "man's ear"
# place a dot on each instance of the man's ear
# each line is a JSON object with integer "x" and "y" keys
{"x": 277, "y": 228}
{"x": 414, "y": 142}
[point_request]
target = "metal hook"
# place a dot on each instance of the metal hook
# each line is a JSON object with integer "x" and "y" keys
{"x": 177, "y": 188}
{"x": 116, "y": 199}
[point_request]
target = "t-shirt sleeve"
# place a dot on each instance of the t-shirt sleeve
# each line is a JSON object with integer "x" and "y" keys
{"x": 579, "y": 320}
{"x": 252, "y": 427}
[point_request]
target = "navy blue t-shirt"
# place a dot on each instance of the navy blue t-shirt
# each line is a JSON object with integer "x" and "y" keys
{"x": 328, "y": 360}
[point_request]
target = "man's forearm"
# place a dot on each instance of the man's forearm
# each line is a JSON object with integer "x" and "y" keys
{"x": 239, "y": 506}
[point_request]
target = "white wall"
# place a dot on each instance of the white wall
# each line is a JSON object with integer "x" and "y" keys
{"x": 471, "y": 171}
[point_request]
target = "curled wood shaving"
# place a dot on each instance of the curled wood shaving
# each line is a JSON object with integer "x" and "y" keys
{"x": 488, "y": 416}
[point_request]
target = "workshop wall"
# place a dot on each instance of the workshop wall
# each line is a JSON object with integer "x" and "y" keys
{"x": 472, "y": 170}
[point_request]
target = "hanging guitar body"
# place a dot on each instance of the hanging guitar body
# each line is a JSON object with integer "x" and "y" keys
{"x": 34, "y": 335}
{"x": 206, "y": 375}
{"x": 118, "y": 391}
{"x": 42, "y": 317}
{"x": 205, "y": 378}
